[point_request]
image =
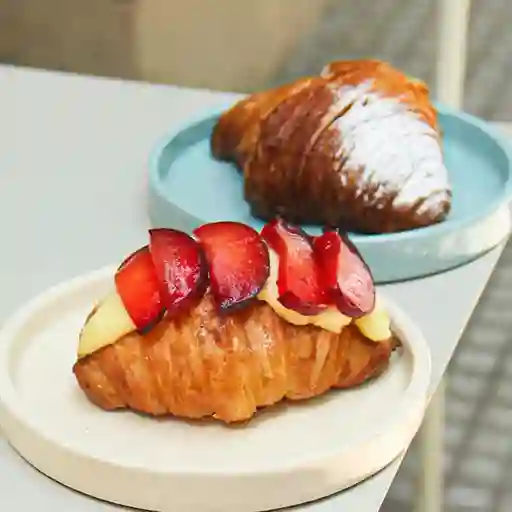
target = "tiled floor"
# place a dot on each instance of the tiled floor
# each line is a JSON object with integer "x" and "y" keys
{"x": 478, "y": 441}
{"x": 478, "y": 436}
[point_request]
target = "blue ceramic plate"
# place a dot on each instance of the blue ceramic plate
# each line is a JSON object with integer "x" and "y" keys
{"x": 187, "y": 187}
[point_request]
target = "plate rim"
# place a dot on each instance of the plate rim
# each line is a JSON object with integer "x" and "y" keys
{"x": 418, "y": 234}
{"x": 418, "y": 385}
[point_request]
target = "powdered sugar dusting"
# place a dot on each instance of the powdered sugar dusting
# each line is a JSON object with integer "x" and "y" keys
{"x": 392, "y": 147}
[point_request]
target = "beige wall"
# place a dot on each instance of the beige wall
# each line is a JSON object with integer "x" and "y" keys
{"x": 224, "y": 44}
{"x": 90, "y": 36}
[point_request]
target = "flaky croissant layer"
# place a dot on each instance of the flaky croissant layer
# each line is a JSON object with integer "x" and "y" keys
{"x": 203, "y": 364}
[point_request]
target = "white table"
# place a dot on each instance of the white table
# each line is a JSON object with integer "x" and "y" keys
{"x": 73, "y": 160}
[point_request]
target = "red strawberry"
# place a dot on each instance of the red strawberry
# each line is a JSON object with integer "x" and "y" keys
{"x": 180, "y": 267}
{"x": 345, "y": 276}
{"x": 138, "y": 287}
{"x": 298, "y": 280}
{"x": 238, "y": 261}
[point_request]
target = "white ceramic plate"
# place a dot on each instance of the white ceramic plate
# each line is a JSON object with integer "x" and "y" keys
{"x": 285, "y": 456}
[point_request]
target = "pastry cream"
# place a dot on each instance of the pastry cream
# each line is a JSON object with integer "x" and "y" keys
{"x": 110, "y": 321}
{"x": 375, "y": 326}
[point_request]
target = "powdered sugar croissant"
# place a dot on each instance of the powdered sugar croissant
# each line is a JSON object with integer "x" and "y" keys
{"x": 357, "y": 147}
{"x": 206, "y": 365}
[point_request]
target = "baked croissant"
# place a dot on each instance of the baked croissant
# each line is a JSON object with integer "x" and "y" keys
{"x": 357, "y": 147}
{"x": 227, "y": 367}
{"x": 231, "y": 321}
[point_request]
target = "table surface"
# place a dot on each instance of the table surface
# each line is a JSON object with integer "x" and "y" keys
{"x": 72, "y": 198}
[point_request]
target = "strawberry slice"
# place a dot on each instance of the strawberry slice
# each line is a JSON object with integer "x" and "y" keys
{"x": 180, "y": 267}
{"x": 138, "y": 286}
{"x": 238, "y": 260}
{"x": 345, "y": 276}
{"x": 298, "y": 279}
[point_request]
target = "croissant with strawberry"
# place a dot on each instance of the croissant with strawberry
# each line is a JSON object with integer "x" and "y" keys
{"x": 229, "y": 320}
{"x": 357, "y": 147}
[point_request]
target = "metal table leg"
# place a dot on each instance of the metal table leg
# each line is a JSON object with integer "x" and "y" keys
{"x": 453, "y": 21}
{"x": 430, "y": 437}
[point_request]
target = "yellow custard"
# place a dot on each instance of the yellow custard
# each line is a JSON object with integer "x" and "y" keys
{"x": 375, "y": 326}
{"x": 110, "y": 321}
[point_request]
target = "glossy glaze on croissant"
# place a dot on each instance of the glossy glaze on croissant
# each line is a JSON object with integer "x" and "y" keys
{"x": 357, "y": 147}
{"x": 226, "y": 367}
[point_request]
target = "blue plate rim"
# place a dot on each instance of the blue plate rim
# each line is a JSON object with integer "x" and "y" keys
{"x": 435, "y": 230}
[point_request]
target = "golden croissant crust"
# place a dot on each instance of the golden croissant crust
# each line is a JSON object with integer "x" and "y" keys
{"x": 203, "y": 364}
{"x": 356, "y": 147}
